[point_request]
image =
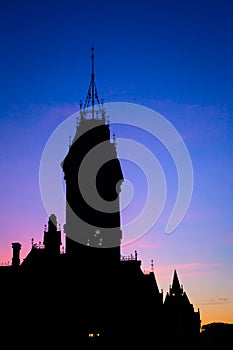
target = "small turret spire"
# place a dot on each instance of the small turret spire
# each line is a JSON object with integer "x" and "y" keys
{"x": 176, "y": 284}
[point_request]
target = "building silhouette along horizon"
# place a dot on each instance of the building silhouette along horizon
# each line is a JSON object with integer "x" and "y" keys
{"x": 88, "y": 295}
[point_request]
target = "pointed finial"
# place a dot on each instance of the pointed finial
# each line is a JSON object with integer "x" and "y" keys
{"x": 152, "y": 265}
{"x": 80, "y": 105}
{"x": 114, "y": 138}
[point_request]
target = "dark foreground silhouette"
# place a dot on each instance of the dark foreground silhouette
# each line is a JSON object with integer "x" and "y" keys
{"x": 89, "y": 296}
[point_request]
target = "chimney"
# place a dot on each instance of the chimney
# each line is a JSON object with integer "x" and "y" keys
{"x": 16, "y": 249}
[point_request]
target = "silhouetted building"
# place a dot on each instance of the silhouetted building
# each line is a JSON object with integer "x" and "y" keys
{"x": 89, "y": 295}
{"x": 216, "y": 336}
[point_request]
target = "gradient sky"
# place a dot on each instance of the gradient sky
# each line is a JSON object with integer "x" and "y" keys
{"x": 174, "y": 57}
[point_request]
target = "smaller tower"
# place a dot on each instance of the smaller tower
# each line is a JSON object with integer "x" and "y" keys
{"x": 16, "y": 251}
{"x": 52, "y": 237}
{"x": 181, "y": 321}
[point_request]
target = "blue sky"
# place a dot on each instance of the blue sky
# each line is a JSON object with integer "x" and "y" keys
{"x": 174, "y": 57}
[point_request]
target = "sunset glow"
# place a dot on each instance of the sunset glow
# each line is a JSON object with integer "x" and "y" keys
{"x": 167, "y": 56}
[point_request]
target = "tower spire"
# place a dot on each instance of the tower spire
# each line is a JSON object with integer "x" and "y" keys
{"x": 92, "y": 82}
{"x": 175, "y": 287}
{"x": 92, "y": 94}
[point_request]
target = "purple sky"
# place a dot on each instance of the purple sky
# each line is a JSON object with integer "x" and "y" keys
{"x": 174, "y": 57}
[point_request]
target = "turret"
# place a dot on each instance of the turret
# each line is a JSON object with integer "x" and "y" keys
{"x": 181, "y": 321}
{"x": 52, "y": 237}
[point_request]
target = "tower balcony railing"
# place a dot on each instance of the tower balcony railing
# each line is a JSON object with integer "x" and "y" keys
{"x": 130, "y": 257}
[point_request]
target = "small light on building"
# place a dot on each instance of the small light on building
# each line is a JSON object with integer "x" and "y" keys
{"x": 91, "y": 335}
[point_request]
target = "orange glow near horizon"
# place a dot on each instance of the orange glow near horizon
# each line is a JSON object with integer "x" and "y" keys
{"x": 216, "y": 313}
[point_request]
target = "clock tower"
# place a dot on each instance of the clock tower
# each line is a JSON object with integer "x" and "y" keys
{"x": 93, "y": 178}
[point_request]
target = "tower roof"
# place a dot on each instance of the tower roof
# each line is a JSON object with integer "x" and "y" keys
{"x": 176, "y": 294}
{"x": 175, "y": 283}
